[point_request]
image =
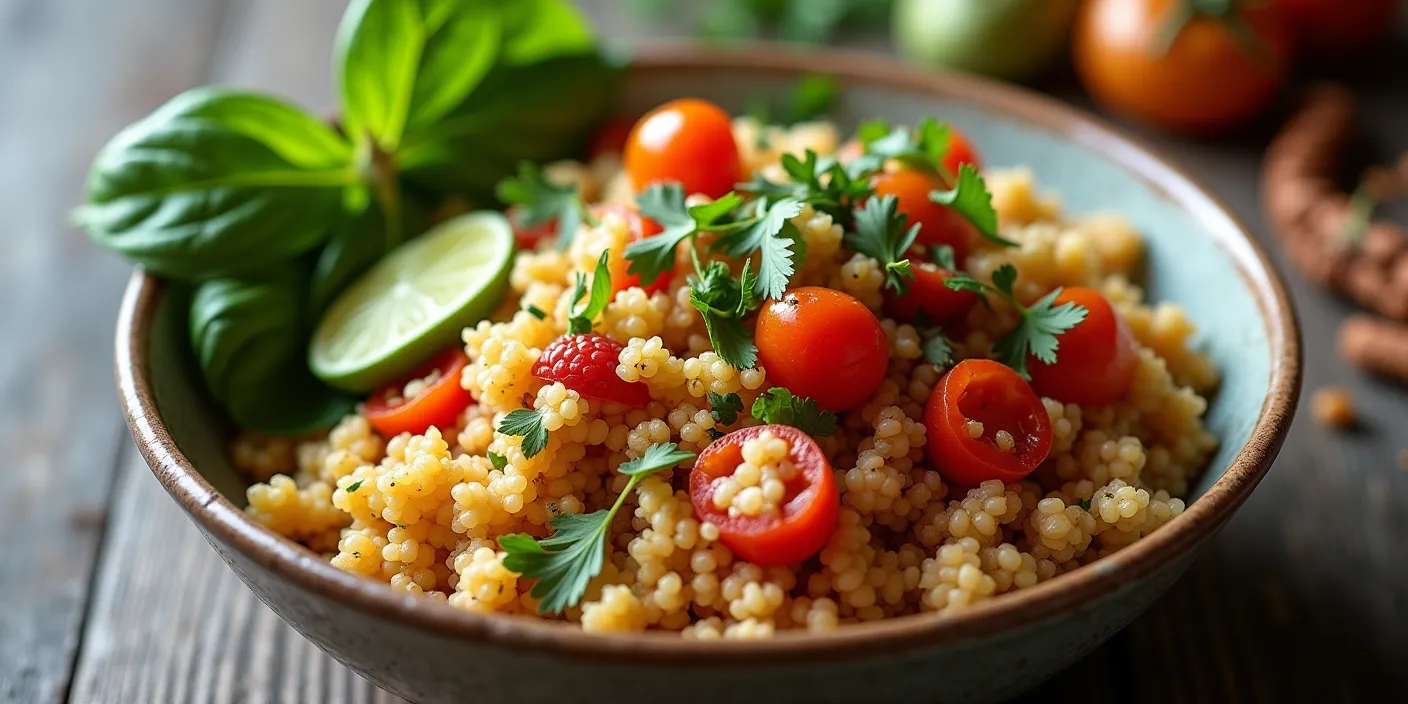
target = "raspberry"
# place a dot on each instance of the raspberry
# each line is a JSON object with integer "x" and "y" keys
{"x": 587, "y": 364}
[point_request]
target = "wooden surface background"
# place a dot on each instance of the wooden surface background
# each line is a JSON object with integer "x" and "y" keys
{"x": 111, "y": 595}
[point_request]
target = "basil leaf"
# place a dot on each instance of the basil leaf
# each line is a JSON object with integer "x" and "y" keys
{"x": 250, "y": 338}
{"x": 217, "y": 183}
{"x": 360, "y": 237}
{"x": 539, "y": 29}
{"x": 404, "y": 64}
{"x": 539, "y": 112}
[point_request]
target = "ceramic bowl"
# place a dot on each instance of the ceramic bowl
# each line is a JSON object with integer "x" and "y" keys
{"x": 1200, "y": 257}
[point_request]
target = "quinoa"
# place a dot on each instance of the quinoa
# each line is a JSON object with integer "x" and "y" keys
{"x": 424, "y": 513}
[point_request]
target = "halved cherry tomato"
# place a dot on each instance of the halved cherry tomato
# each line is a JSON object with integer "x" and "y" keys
{"x": 960, "y": 152}
{"x": 639, "y": 227}
{"x": 938, "y": 224}
{"x": 439, "y": 403}
{"x": 992, "y": 394}
{"x": 611, "y": 137}
{"x": 928, "y": 295}
{"x": 529, "y": 237}
{"x": 822, "y": 343}
{"x": 809, "y": 512}
{"x": 1097, "y": 358}
{"x": 687, "y": 140}
{"x": 1209, "y": 80}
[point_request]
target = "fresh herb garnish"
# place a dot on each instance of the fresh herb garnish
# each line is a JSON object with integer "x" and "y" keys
{"x": 884, "y": 234}
{"x": 821, "y": 182}
{"x": 354, "y": 486}
{"x": 776, "y": 239}
{"x": 971, "y": 199}
{"x": 527, "y": 424}
{"x": 543, "y": 201}
{"x": 664, "y": 203}
{"x": 1084, "y": 504}
{"x": 498, "y": 460}
{"x": 922, "y": 148}
{"x": 725, "y": 407}
{"x": 580, "y": 320}
{"x": 1041, "y": 324}
{"x": 938, "y": 349}
{"x": 564, "y": 563}
{"x": 535, "y": 311}
{"x": 723, "y": 301}
{"x": 777, "y": 406}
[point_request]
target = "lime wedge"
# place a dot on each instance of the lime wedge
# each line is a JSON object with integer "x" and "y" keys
{"x": 413, "y": 303}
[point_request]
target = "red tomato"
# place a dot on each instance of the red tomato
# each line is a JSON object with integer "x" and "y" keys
{"x": 611, "y": 137}
{"x": 928, "y": 294}
{"x": 528, "y": 237}
{"x": 1206, "y": 82}
{"x": 1336, "y": 28}
{"x": 438, "y": 404}
{"x": 992, "y": 394}
{"x": 686, "y": 140}
{"x": 809, "y": 512}
{"x": 1097, "y": 358}
{"x": 822, "y": 343}
{"x": 960, "y": 151}
{"x": 639, "y": 227}
{"x": 938, "y": 224}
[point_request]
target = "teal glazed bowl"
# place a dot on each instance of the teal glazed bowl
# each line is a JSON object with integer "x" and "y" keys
{"x": 1200, "y": 257}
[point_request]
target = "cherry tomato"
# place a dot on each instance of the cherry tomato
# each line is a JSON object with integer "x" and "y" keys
{"x": 1338, "y": 28}
{"x": 928, "y": 294}
{"x": 1206, "y": 82}
{"x": 439, "y": 403}
{"x": 527, "y": 237}
{"x": 686, "y": 140}
{"x": 960, "y": 151}
{"x": 822, "y": 343}
{"x": 611, "y": 137}
{"x": 1097, "y": 358}
{"x": 992, "y": 394}
{"x": 809, "y": 512}
{"x": 938, "y": 224}
{"x": 639, "y": 227}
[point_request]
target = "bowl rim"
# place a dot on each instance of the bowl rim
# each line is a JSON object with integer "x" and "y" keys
{"x": 220, "y": 518}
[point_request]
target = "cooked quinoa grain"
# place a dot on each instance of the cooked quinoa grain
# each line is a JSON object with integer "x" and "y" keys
{"x": 424, "y": 513}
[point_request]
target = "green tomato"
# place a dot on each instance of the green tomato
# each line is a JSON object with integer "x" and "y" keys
{"x": 1004, "y": 38}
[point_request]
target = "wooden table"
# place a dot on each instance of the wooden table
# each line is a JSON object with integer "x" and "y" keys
{"x": 112, "y": 596}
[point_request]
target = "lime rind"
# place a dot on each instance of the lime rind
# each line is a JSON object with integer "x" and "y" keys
{"x": 414, "y": 302}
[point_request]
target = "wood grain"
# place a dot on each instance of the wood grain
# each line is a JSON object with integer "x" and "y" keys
{"x": 71, "y": 73}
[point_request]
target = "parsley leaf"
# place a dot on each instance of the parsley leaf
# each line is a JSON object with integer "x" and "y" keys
{"x": 528, "y": 425}
{"x": 942, "y": 254}
{"x": 882, "y": 235}
{"x": 1040, "y": 326}
{"x": 922, "y": 148}
{"x": 821, "y": 182}
{"x": 543, "y": 201}
{"x": 565, "y": 562}
{"x": 657, "y": 457}
{"x": 498, "y": 460}
{"x": 725, "y": 407}
{"x": 938, "y": 350}
{"x": 580, "y": 321}
{"x": 1084, "y": 504}
{"x": 777, "y": 406}
{"x": 971, "y": 199}
{"x": 354, "y": 486}
{"x": 664, "y": 203}
{"x": 723, "y": 301}
{"x": 778, "y": 241}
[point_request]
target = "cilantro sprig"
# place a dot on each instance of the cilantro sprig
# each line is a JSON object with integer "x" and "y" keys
{"x": 565, "y": 563}
{"x": 971, "y": 199}
{"x": 723, "y": 301}
{"x": 543, "y": 201}
{"x": 664, "y": 203}
{"x": 821, "y": 182}
{"x": 1042, "y": 323}
{"x": 922, "y": 148}
{"x": 777, "y": 406}
{"x": 884, "y": 234}
{"x": 527, "y": 424}
{"x": 779, "y": 244}
{"x": 725, "y": 407}
{"x": 579, "y": 320}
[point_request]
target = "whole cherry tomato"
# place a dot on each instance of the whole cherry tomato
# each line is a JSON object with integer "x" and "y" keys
{"x": 1097, "y": 358}
{"x": 824, "y": 344}
{"x": 927, "y": 294}
{"x": 938, "y": 224}
{"x": 1209, "y": 79}
{"x": 686, "y": 140}
{"x": 611, "y": 137}
{"x": 1337, "y": 28}
{"x": 809, "y": 511}
{"x": 977, "y": 408}
{"x": 639, "y": 227}
{"x": 438, "y": 402}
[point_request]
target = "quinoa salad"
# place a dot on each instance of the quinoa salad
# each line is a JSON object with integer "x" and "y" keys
{"x": 734, "y": 378}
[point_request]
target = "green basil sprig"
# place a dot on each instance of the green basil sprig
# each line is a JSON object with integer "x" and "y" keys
{"x": 271, "y": 212}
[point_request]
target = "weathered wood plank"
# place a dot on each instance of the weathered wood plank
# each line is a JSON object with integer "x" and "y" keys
{"x": 71, "y": 73}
